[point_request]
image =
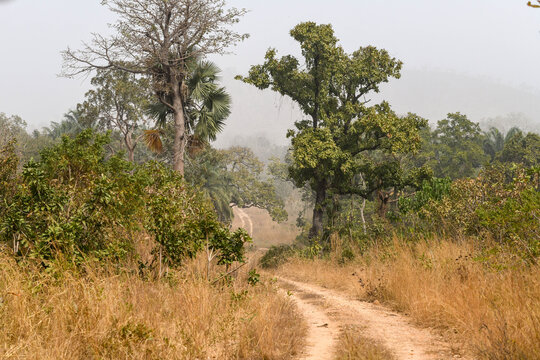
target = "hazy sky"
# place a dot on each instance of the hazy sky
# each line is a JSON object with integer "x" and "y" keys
{"x": 480, "y": 57}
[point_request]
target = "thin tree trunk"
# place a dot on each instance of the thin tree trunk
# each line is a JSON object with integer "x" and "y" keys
{"x": 179, "y": 133}
{"x": 318, "y": 212}
{"x": 130, "y": 146}
{"x": 363, "y": 207}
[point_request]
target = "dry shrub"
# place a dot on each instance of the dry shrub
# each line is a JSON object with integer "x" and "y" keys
{"x": 495, "y": 311}
{"x": 118, "y": 315}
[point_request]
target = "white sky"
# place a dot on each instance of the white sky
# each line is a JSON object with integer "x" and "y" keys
{"x": 480, "y": 57}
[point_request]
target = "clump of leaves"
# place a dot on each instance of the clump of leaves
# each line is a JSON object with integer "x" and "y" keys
{"x": 277, "y": 255}
{"x": 253, "y": 277}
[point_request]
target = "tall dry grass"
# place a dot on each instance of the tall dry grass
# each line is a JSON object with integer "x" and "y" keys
{"x": 119, "y": 315}
{"x": 492, "y": 311}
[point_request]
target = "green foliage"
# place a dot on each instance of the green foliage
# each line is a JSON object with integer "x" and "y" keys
{"x": 253, "y": 277}
{"x": 276, "y": 256}
{"x": 8, "y": 170}
{"x": 78, "y": 202}
{"x": 207, "y": 105}
{"x": 522, "y": 149}
{"x": 73, "y": 202}
{"x": 502, "y": 204}
{"x": 234, "y": 177}
{"x": 337, "y": 142}
{"x": 431, "y": 190}
{"x": 455, "y": 148}
{"x": 118, "y": 102}
{"x": 26, "y": 146}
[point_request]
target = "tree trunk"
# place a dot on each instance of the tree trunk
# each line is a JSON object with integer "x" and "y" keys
{"x": 130, "y": 146}
{"x": 363, "y": 207}
{"x": 179, "y": 146}
{"x": 383, "y": 203}
{"x": 318, "y": 211}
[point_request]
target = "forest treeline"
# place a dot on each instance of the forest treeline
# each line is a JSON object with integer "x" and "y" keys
{"x": 365, "y": 171}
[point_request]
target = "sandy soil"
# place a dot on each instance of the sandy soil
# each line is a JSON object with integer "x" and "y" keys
{"x": 327, "y": 312}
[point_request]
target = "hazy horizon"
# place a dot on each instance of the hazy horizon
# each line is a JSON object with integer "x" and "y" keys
{"x": 478, "y": 59}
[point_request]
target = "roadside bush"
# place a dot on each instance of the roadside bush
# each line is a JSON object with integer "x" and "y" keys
{"x": 79, "y": 203}
{"x": 502, "y": 204}
{"x": 277, "y": 255}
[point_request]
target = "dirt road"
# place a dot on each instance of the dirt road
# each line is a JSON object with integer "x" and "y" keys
{"x": 327, "y": 312}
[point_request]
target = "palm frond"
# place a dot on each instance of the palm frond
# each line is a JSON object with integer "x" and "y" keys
{"x": 159, "y": 112}
{"x": 152, "y": 139}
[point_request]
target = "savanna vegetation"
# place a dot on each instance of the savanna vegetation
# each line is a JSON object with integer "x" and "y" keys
{"x": 116, "y": 236}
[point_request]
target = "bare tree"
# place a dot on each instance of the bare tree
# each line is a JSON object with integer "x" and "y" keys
{"x": 156, "y": 38}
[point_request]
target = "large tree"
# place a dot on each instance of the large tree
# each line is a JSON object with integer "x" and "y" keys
{"x": 157, "y": 38}
{"x": 331, "y": 147}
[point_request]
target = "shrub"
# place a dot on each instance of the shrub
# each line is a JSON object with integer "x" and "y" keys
{"x": 78, "y": 203}
{"x": 277, "y": 255}
{"x": 502, "y": 204}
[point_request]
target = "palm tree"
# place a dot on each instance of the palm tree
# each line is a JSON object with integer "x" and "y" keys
{"x": 206, "y": 108}
{"x": 71, "y": 125}
{"x": 494, "y": 140}
{"x": 208, "y": 172}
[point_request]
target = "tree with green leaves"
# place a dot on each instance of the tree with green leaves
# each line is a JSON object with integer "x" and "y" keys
{"x": 118, "y": 102}
{"x": 522, "y": 149}
{"x": 333, "y": 145}
{"x": 457, "y": 147}
{"x": 494, "y": 140}
{"x": 156, "y": 39}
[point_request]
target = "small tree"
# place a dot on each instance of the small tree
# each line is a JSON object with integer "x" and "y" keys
{"x": 118, "y": 102}
{"x": 156, "y": 38}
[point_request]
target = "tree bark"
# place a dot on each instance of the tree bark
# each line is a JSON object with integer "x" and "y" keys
{"x": 318, "y": 211}
{"x": 130, "y": 146}
{"x": 179, "y": 132}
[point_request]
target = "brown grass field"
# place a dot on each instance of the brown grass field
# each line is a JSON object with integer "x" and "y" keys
{"x": 119, "y": 315}
{"x": 494, "y": 313}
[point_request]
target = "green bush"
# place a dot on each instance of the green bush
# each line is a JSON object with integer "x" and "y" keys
{"x": 77, "y": 202}
{"x": 277, "y": 255}
{"x": 501, "y": 204}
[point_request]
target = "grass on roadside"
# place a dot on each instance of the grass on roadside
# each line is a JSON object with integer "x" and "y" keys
{"x": 119, "y": 315}
{"x": 353, "y": 346}
{"x": 494, "y": 311}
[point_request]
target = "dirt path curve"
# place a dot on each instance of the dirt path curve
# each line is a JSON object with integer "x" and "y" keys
{"x": 391, "y": 330}
{"x": 244, "y": 216}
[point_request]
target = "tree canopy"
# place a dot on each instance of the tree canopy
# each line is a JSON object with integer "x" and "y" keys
{"x": 333, "y": 145}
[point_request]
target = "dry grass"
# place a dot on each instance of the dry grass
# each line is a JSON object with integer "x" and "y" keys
{"x": 494, "y": 312}
{"x": 118, "y": 315}
{"x": 352, "y": 346}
